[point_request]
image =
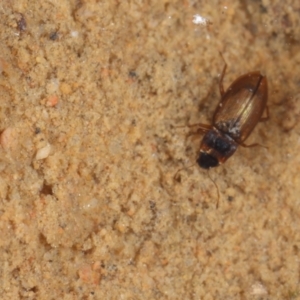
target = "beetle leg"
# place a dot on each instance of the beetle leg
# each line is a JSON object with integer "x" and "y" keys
{"x": 252, "y": 145}
{"x": 201, "y": 127}
{"x": 263, "y": 119}
{"x": 221, "y": 87}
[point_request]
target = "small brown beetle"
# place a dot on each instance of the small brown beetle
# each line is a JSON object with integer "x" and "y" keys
{"x": 241, "y": 107}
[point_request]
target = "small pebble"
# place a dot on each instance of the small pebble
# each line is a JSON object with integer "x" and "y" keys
{"x": 8, "y": 138}
{"x": 43, "y": 152}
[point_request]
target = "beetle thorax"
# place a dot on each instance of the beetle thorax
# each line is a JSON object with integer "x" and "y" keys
{"x": 231, "y": 127}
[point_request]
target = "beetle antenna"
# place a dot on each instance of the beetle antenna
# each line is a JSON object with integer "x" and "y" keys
{"x": 217, "y": 205}
{"x": 184, "y": 168}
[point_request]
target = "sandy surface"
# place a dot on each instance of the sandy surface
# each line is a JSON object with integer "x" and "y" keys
{"x": 91, "y": 97}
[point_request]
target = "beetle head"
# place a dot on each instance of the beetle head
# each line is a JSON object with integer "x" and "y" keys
{"x": 215, "y": 149}
{"x": 207, "y": 161}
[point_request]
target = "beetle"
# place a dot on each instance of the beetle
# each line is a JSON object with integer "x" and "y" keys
{"x": 240, "y": 109}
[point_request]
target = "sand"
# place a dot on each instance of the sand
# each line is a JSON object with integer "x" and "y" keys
{"x": 94, "y": 102}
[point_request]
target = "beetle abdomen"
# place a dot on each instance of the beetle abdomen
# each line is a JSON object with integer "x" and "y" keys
{"x": 242, "y": 106}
